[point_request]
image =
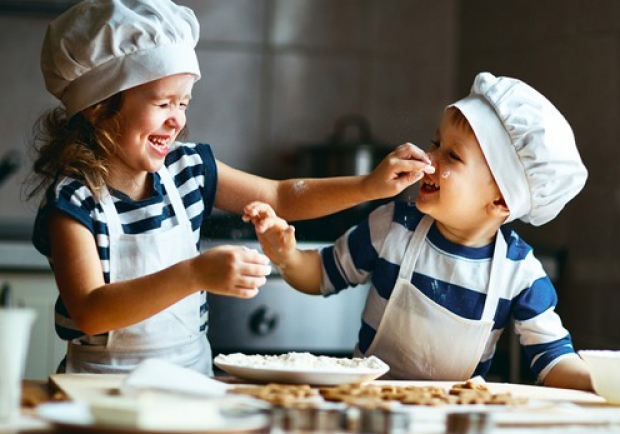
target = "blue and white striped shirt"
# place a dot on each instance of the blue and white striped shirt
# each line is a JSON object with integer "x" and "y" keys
{"x": 455, "y": 277}
{"x": 193, "y": 169}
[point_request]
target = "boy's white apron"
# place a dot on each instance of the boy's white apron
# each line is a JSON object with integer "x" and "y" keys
{"x": 172, "y": 334}
{"x": 421, "y": 340}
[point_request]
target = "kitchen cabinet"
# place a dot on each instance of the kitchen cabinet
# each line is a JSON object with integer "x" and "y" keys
{"x": 37, "y": 290}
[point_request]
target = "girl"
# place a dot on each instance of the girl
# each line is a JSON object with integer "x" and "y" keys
{"x": 124, "y": 198}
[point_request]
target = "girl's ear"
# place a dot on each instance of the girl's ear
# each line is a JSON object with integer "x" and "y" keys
{"x": 498, "y": 208}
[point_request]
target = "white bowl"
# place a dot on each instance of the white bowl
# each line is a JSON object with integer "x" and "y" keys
{"x": 605, "y": 372}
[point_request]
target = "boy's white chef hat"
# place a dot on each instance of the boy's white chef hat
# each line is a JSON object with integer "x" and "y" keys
{"x": 98, "y": 48}
{"x": 528, "y": 144}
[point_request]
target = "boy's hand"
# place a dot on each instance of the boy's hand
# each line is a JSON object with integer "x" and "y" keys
{"x": 276, "y": 236}
{"x": 403, "y": 167}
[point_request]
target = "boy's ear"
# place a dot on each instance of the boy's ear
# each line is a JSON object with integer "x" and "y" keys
{"x": 498, "y": 208}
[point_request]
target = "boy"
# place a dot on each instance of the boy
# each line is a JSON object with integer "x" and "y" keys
{"x": 447, "y": 274}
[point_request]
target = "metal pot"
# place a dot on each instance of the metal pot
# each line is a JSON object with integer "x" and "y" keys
{"x": 349, "y": 150}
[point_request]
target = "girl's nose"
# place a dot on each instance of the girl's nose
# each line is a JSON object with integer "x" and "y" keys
{"x": 171, "y": 122}
{"x": 176, "y": 120}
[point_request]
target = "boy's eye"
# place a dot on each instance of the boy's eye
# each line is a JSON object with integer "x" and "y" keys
{"x": 453, "y": 155}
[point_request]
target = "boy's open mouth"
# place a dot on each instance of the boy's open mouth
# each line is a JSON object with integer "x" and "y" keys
{"x": 429, "y": 186}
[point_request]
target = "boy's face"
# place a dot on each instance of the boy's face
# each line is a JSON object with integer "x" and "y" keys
{"x": 461, "y": 193}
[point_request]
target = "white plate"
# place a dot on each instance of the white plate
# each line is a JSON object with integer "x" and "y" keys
{"x": 297, "y": 376}
{"x": 75, "y": 417}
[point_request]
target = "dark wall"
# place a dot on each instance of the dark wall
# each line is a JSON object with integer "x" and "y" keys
{"x": 568, "y": 50}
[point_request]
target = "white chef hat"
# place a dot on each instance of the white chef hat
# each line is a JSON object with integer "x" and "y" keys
{"x": 98, "y": 48}
{"x": 528, "y": 144}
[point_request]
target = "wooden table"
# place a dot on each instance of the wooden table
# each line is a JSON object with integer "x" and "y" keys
{"x": 601, "y": 418}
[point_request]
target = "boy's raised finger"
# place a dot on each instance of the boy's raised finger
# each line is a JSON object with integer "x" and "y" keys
{"x": 267, "y": 224}
{"x": 259, "y": 210}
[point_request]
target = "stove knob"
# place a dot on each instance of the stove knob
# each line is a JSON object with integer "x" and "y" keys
{"x": 262, "y": 322}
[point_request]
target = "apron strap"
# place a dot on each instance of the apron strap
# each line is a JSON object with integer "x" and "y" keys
{"x": 495, "y": 278}
{"x": 414, "y": 246}
{"x": 113, "y": 220}
{"x": 173, "y": 195}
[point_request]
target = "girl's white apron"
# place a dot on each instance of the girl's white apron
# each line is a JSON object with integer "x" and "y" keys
{"x": 172, "y": 334}
{"x": 421, "y": 340}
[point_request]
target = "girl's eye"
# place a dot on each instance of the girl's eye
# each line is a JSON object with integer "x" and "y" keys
{"x": 454, "y": 156}
{"x": 167, "y": 105}
{"x": 435, "y": 143}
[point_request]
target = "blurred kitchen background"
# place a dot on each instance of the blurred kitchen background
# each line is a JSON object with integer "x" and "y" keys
{"x": 288, "y": 82}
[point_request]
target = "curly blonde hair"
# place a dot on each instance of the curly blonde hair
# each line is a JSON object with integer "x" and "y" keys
{"x": 79, "y": 147}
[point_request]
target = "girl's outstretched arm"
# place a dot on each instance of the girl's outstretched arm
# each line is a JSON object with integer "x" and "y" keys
{"x": 299, "y": 199}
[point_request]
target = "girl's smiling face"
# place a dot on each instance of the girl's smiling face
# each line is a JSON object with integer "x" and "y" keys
{"x": 151, "y": 117}
{"x": 458, "y": 195}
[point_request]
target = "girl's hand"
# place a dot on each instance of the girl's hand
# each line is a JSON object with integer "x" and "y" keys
{"x": 276, "y": 236}
{"x": 403, "y": 167}
{"x": 231, "y": 270}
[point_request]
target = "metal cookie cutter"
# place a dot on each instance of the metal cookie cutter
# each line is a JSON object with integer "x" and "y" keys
{"x": 382, "y": 421}
{"x": 469, "y": 423}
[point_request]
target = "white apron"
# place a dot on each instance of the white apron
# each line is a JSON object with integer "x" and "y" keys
{"x": 172, "y": 334}
{"x": 421, "y": 340}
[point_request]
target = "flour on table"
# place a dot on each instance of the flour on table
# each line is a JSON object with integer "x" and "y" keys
{"x": 301, "y": 361}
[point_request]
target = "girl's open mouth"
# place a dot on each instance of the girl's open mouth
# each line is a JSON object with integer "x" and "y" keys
{"x": 160, "y": 144}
